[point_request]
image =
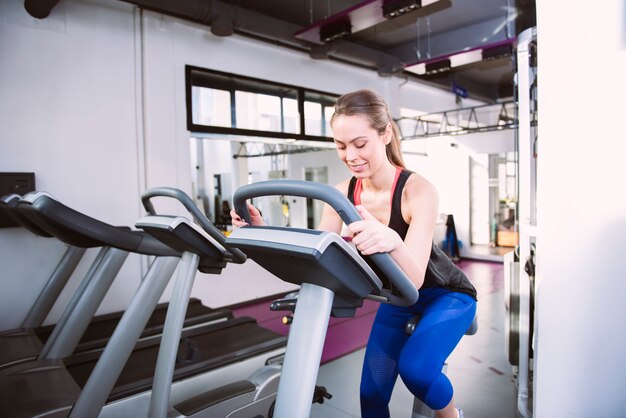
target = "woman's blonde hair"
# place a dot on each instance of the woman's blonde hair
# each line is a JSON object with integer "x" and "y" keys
{"x": 374, "y": 108}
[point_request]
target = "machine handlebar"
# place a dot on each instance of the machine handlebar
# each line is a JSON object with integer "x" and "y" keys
{"x": 185, "y": 200}
{"x": 407, "y": 292}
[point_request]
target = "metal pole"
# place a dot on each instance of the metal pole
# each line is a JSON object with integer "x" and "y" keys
{"x": 163, "y": 375}
{"x": 94, "y": 395}
{"x": 67, "y": 337}
{"x": 53, "y": 287}
{"x": 304, "y": 351}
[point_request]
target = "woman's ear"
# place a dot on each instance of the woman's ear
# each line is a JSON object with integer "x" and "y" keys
{"x": 388, "y": 133}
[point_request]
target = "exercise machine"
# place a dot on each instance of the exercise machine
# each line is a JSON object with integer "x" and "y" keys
{"x": 197, "y": 244}
{"x": 333, "y": 278}
{"x": 74, "y": 332}
{"x": 47, "y": 296}
{"x": 56, "y": 385}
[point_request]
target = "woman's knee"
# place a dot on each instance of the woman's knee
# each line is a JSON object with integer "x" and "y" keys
{"x": 427, "y": 382}
{"x": 418, "y": 374}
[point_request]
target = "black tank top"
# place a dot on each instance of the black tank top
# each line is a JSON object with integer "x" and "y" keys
{"x": 441, "y": 271}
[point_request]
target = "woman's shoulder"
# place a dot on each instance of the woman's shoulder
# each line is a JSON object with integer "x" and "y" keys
{"x": 416, "y": 183}
{"x": 417, "y": 187}
{"x": 344, "y": 186}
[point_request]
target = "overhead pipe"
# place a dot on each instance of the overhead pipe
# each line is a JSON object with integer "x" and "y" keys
{"x": 39, "y": 9}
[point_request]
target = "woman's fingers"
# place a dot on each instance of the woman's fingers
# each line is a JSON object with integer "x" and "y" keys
{"x": 253, "y": 210}
{"x": 365, "y": 213}
{"x": 236, "y": 219}
{"x": 370, "y": 236}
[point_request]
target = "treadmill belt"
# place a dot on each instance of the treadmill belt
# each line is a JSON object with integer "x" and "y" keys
{"x": 200, "y": 350}
{"x": 101, "y": 327}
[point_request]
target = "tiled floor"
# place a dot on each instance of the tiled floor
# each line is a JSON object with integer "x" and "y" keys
{"x": 485, "y": 252}
{"x": 478, "y": 368}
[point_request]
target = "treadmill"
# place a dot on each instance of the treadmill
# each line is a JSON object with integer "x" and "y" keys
{"x": 119, "y": 375}
{"x": 19, "y": 345}
{"x": 59, "y": 277}
{"x": 39, "y": 213}
{"x": 334, "y": 280}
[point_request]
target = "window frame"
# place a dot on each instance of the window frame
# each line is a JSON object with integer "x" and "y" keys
{"x": 233, "y": 82}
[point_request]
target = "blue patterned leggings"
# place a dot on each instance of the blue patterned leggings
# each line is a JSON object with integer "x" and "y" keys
{"x": 418, "y": 358}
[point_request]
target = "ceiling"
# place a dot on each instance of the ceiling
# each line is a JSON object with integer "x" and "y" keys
{"x": 436, "y": 30}
{"x": 426, "y": 36}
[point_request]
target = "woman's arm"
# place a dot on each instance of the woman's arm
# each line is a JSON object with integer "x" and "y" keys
{"x": 420, "y": 206}
{"x": 331, "y": 221}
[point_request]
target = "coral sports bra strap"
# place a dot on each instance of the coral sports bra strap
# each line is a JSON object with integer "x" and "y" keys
{"x": 395, "y": 183}
{"x": 356, "y": 186}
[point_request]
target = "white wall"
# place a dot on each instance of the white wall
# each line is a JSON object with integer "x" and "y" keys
{"x": 93, "y": 101}
{"x": 447, "y": 168}
{"x": 581, "y": 270}
{"x": 67, "y": 111}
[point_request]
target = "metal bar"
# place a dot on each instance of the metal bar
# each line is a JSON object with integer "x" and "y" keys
{"x": 101, "y": 381}
{"x": 199, "y": 129}
{"x": 489, "y": 128}
{"x": 442, "y": 127}
{"x": 163, "y": 375}
{"x": 53, "y": 287}
{"x": 288, "y": 150}
{"x": 469, "y": 120}
{"x": 67, "y": 313}
{"x": 304, "y": 351}
{"x": 68, "y": 337}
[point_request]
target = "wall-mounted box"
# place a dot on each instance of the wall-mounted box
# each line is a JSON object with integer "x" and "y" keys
{"x": 14, "y": 183}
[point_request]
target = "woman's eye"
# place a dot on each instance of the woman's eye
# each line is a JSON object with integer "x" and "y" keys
{"x": 359, "y": 146}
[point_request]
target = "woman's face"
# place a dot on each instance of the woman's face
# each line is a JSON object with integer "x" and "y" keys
{"x": 359, "y": 145}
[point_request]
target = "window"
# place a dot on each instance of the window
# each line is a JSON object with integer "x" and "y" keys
{"x": 210, "y": 107}
{"x": 228, "y": 104}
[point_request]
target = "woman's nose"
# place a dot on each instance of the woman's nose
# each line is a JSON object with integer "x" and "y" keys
{"x": 351, "y": 153}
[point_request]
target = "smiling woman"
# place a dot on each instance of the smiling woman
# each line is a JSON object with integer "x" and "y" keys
{"x": 399, "y": 210}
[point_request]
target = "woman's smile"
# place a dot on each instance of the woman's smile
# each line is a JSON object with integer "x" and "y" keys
{"x": 357, "y": 168}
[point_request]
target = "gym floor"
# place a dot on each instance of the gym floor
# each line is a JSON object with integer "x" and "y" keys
{"x": 478, "y": 367}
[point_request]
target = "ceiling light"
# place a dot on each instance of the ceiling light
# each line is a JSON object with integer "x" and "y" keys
{"x": 438, "y": 66}
{"x": 335, "y": 30}
{"x": 465, "y": 58}
{"x": 395, "y": 8}
{"x": 419, "y": 69}
{"x": 456, "y": 59}
{"x": 496, "y": 52}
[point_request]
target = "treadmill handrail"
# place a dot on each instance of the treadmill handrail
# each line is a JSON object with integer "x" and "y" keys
{"x": 10, "y": 199}
{"x": 9, "y": 208}
{"x": 78, "y": 229}
{"x": 238, "y": 256}
{"x": 407, "y": 292}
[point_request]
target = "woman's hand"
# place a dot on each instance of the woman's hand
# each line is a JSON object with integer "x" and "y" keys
{"x": 255, "y": 217}
{"x": 370, "y": 236}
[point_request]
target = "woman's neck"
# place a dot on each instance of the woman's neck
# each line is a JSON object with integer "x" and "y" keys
{"x": 382, "y": 180}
